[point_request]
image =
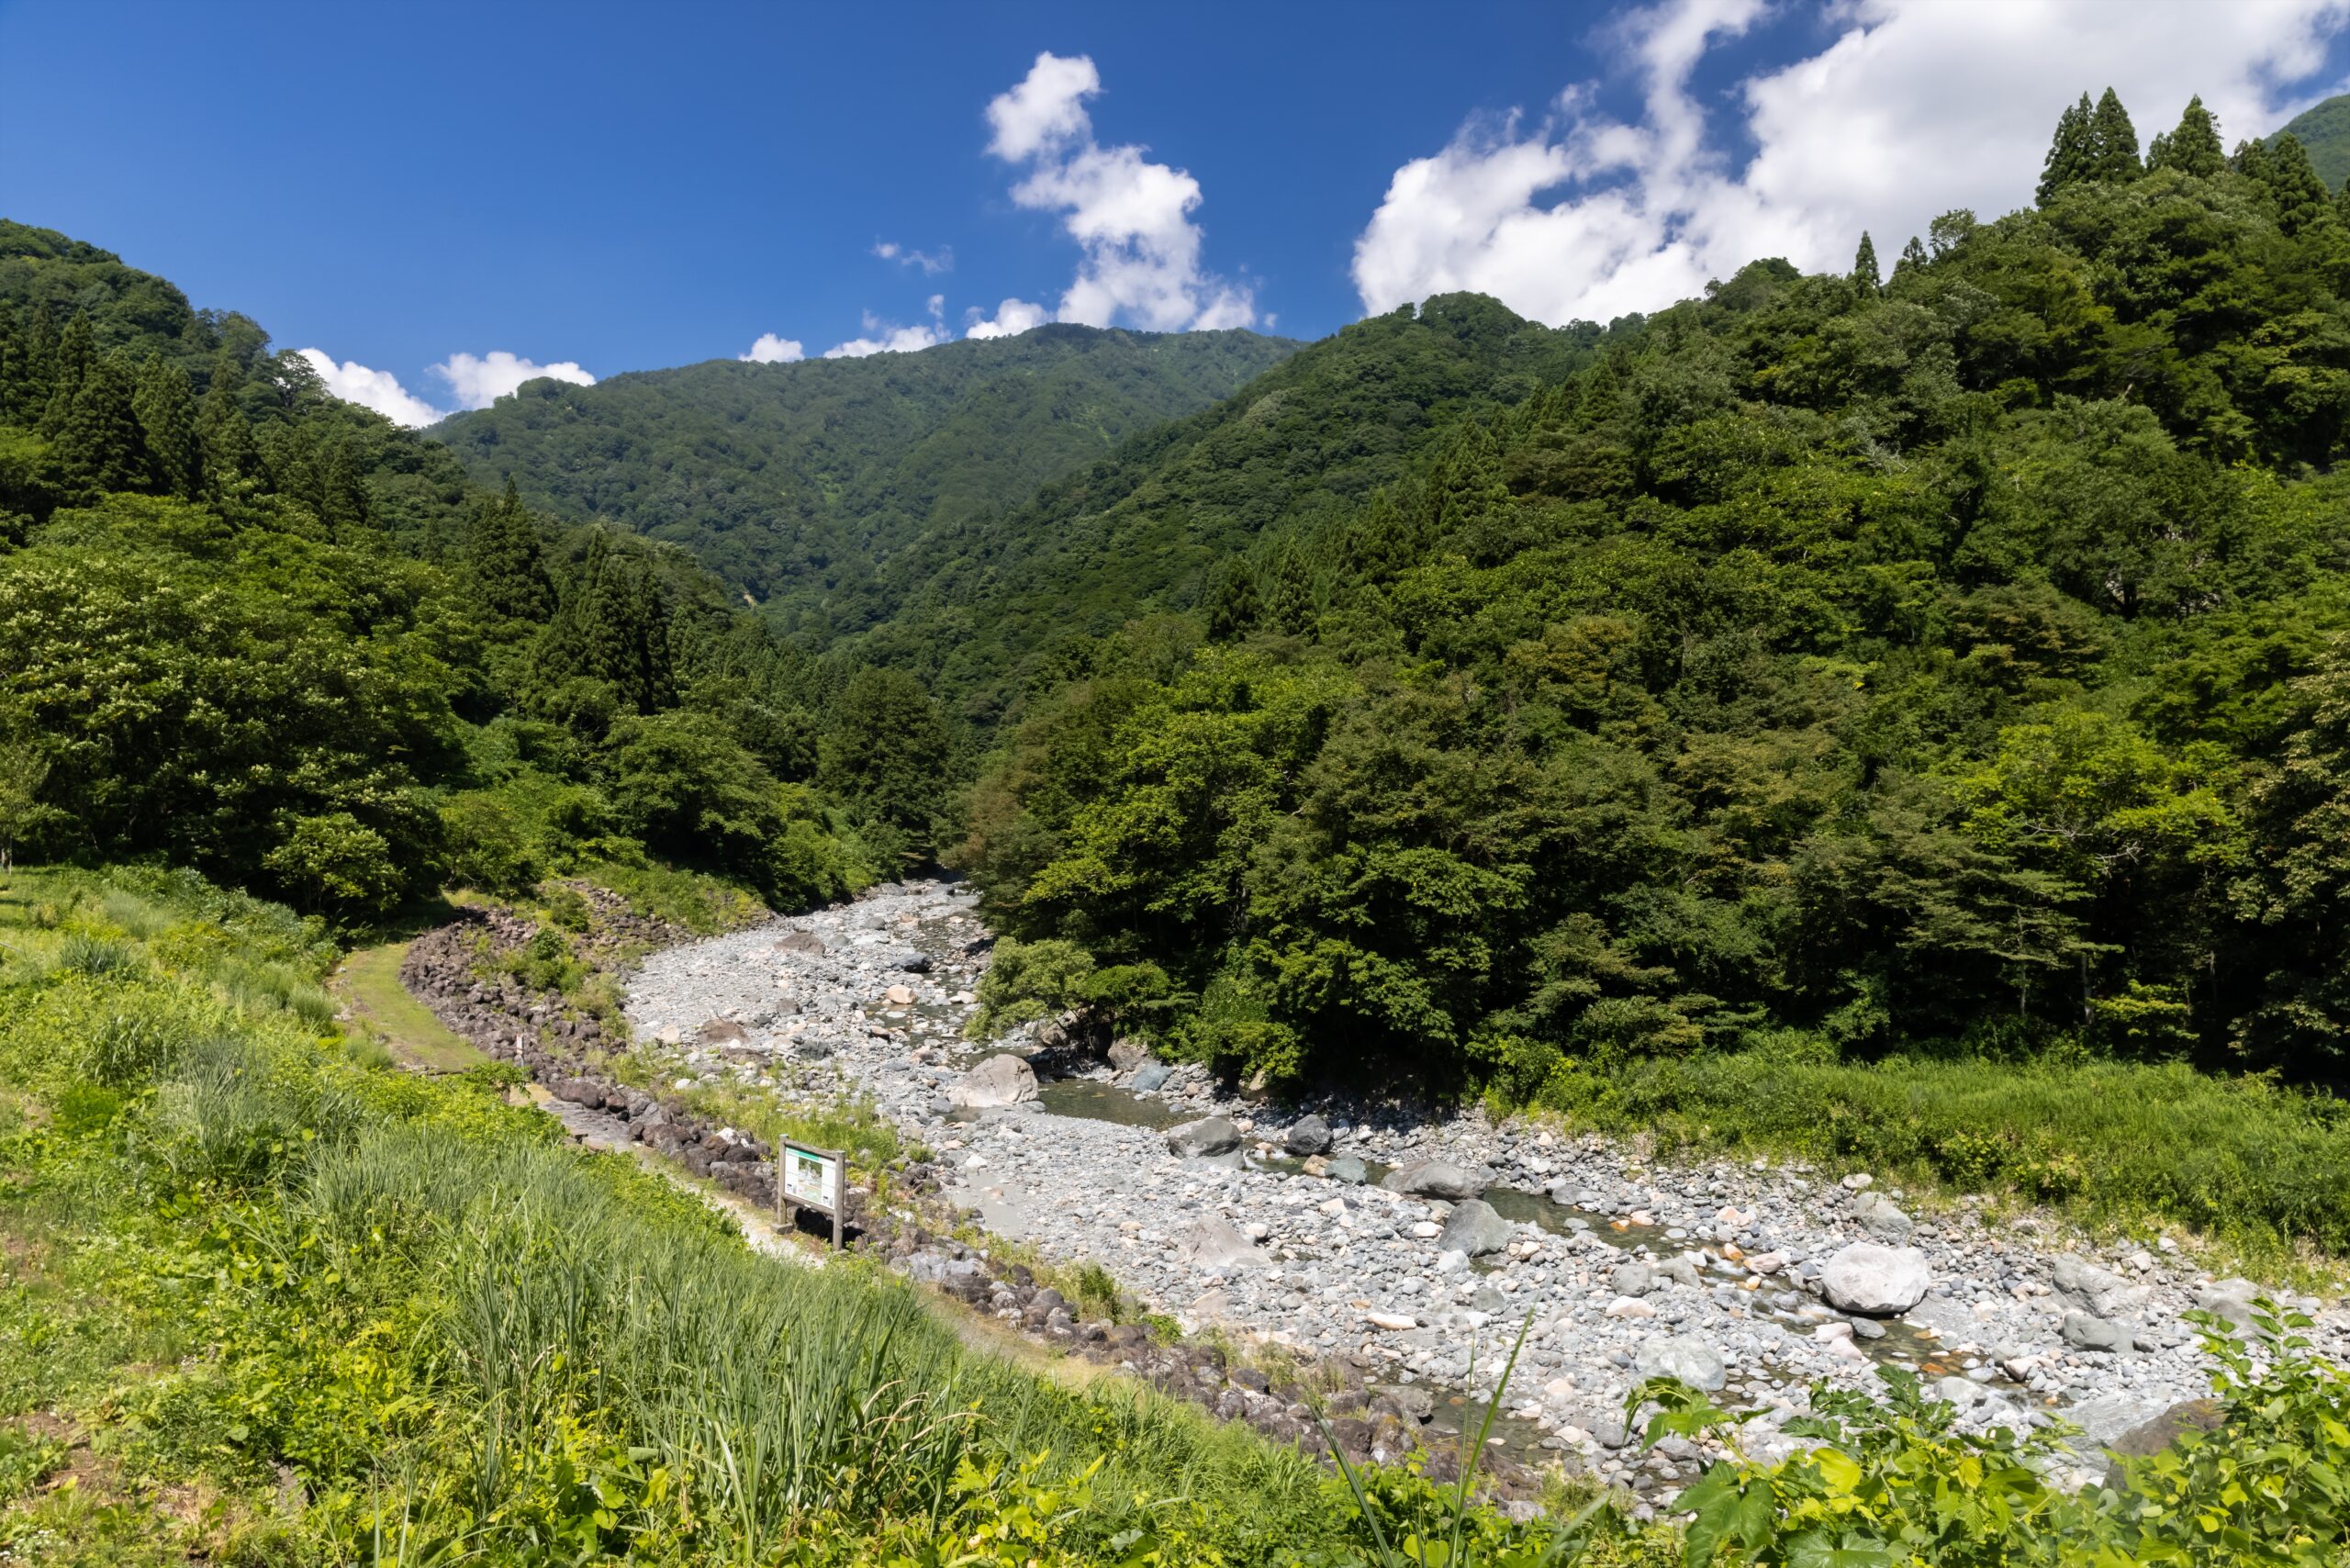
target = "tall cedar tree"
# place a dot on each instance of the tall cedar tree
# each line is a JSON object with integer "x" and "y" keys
{"x": 2068, "y": 157}
{"x": 231, "y": 453}
{"x": 97, "y": 430}
{"x": 2113, "y": 143}
{"x": 165, "y": 406}
{"x": 2302, "y": 198}
{"x": 887, "y": 755}
{"x": 509, "y": 563}
{"x": 2194, "y": 148}
{"x": 1864, "y": 269}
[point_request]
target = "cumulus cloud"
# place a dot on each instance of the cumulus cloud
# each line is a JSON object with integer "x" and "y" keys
{"x": 931, "y": 262}
{"x": 1011, "y": 318}
{"x": 888, "y": 337}
{"x": 480, "y": 380}
{"x": 1918, "y": 106}
{"x": 774, "y": 349}
{"x": 1131, "y": 216}
{"x": 377, "y": 389}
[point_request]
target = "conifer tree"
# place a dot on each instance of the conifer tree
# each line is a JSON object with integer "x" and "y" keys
{"x": 2301, "y": 196}
{"x": 1289, "y": 596}
{"x": 166, "y": 410}
{"x": 2250, "y": 160}
{"x": 1232, "y": 604}
{"x": 2194, "y": 148}
{"x": 2112, "y": 142}
{"x": 2070, "y": 151}
{"x": 76, "y": 350}
{"x": 38, "y": 346}
{"x": 231, "y": 454}
{"x": 341, "y": 497}
{"x": 1913, "y": 256}
{"x": 1469, "y": 486}
{"x": 1864, "y": 272}
{"x": 97, "y": 428}
{"x": 508, "y": 562}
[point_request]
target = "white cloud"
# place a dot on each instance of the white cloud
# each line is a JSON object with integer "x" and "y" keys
{"x": 931, "y": 262}
{"x": 1046, "y": 111}
{"x": 480, "y": 381}
{"x": 1917, "y": 107}
{"x": 1130, "y": 216}
{"x": 1011, "y": 318}
{"x": 774, "y": 349}
{"x": 888, "y": 337}
{"x": 377, "y": 389}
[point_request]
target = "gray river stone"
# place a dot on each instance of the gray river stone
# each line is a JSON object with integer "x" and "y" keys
{"x": 999, "y": 1080}
{"x": 1473, "y": 1227}
{"x": 1877, "y": 1282}
{"x": 1215, "y": 1244}
{"x": 1692, "y": 1361}
{"x": 1203, "y": 1139}
{"x": 1433, "y": 1179}
{"x": 1308, "y": 1136}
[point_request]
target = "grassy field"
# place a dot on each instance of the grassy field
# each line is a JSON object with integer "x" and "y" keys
{"x": 264, "y": 1300}
{"x": 369, "y": 979}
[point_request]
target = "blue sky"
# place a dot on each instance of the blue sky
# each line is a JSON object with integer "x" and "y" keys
{"x": 614, "y": 187}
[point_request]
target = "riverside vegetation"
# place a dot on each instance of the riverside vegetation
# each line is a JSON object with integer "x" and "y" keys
{"x": 1896, "y": 716}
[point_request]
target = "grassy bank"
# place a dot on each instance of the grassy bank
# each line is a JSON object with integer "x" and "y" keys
{"x": 2254, "y": 1167}
{"x": 270, "y": 1301}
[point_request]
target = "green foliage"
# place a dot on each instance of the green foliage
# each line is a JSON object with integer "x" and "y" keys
{"x": 2324, "y": 129}
{"x": 887, "y": 756}
{"x": 797, "y": 482}
{"x": 1892, "y": 1480}
{"x": 1029, "y": 981}
{"x": 1933, "y": 665}
{"x": 257, "y": 630}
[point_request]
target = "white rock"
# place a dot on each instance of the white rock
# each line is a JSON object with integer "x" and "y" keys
{"x": 1876, "y": 1282}
{"x": 999, "y": 1080}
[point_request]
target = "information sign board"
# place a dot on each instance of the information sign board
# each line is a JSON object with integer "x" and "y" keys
{"x": 811, "y": 1178}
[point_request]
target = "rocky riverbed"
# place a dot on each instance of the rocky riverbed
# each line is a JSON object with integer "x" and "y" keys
{"x": 1418, "y": 1247}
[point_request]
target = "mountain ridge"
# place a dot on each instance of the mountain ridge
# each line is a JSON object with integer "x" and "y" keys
{"x": 793, "y": 482}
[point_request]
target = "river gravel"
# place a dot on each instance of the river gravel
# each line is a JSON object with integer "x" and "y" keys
{"x": 1712, "y": 1271}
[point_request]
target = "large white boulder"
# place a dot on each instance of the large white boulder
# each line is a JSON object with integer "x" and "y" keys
{"x": 999, "y": 1080}
{"x": 1873, "y": 1280}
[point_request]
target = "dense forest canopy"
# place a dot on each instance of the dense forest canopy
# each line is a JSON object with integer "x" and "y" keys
{"x": 251, "y": 628}
{"x": 1835, "y": 663}
{"x": 797, "y": 483}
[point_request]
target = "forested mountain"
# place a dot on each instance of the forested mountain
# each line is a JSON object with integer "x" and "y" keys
{"x": 2323, "y": 131}
{"x": 248, "y": 627}
{"x": 793, "y": 481}
{"x": 1944, "y": 660}
{"x": 998, "y": 605}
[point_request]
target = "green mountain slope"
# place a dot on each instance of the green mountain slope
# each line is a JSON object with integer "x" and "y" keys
{"x": 996, "y": 604}
{"x": 248, "y": 627}
{"x": 2323, "y": 131}
{"x": 1829, "y": 666}
{"x": 791, "y": 481}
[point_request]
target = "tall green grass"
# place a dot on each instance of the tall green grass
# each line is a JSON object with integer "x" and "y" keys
{"x": 478, "y": 1343}
{"x": 2239, "y": 1158}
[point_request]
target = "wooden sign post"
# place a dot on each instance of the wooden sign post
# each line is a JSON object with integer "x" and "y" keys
{"x": 812, "y": 1179}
